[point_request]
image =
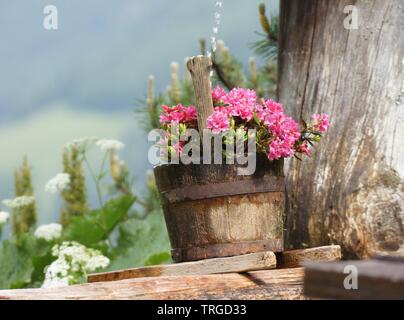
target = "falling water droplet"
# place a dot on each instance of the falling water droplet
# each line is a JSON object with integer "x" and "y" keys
{"x": 214, "y": 47}
{"x": 215, "y": 30}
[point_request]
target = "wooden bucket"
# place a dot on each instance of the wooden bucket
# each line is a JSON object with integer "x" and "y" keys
{"x": 211, "y": 211}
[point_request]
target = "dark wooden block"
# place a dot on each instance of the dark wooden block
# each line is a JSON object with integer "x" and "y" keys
{"x": 377, "y": 279}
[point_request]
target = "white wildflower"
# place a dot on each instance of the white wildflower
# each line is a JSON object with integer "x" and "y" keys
{"x": 49, "y": 232}
{"x": 19, "y": 202}
{"x": 57, "y": 274}
{"x": 74, "y": 261}
{"x": 58, "y": 183}
{"x": 81, "y": 143}
{"x": 55, "y": 282}
{"x": 4, "y": 216}
{"x": 97, "y": 262}
{"x": 109, "y": 145}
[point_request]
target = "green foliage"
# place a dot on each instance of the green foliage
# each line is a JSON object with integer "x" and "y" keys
{"x": 15, "y": 265}
{"x": 23, "y": 218}
{"x": 268, "y": 46}
{"x": 22, "y": 263}
{"x": 142, "y": 241}
{"x": 112, "y": 228}
{"x": 75, "y": 197}
{"x": 228, "y": 70}
{"x": 158, "y": 258}
{"x": 179, "y": 91}
{"x": 97, "y": 225}
{"x": 41, "y": 258}
{"x": 122, "y": 182}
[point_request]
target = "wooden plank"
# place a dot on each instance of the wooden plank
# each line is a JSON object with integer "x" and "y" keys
{"x": 377, "y": 279}
{"x": 243, "y": 263}
{"x": 266, "y": 284}
{"x": 296, "y": 258}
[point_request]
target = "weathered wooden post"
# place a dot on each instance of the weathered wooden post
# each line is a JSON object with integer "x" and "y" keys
{"x": 200, "y": 68}
{"x": 351, "y": 191}
{"x": 210, "y": 210}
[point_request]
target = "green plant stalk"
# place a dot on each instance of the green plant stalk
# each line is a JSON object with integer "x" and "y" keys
{"x": 97, "y": 179}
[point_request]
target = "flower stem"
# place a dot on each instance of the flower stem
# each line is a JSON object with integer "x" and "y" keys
{"x": 97, "y": 180}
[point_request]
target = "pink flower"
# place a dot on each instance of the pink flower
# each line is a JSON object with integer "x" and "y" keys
{"x": 284, "y": 130}
{"x": 190, "y": 114}
{"x": 218, "y": 95}
{"x": 304, "y": 148}
{"x": 267, "y": 109}
{"x": 280, "y": 148}
{"x": 320, "y": 122}
{"x": 273, "y": 106}
{"x": 218, "y": 122}
{"x": 239, "y": 102}
{"x": 274, "y": 152}
{"x": 177, "y": 114}
{"x": 281, "y": 136}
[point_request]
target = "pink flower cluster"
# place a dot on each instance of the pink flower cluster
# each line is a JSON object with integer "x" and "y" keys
{"x": 320, "y": 122}
{"x": 177, "y": 114}
{"x": 219, "y": 121}
{"x": 243, "y": 103}
{"x": 280, "y": 135}
{"x": 304, "y": 148}
{"x": 238, "y": 102}
{"x": 283, "y": 129}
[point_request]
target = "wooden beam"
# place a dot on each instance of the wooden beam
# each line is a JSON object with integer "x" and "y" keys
{"x": 296, "y": 258}
{"x": 376, "y": 279}
{"x": 267, "y": 284}
{"x": 242, "y": 263}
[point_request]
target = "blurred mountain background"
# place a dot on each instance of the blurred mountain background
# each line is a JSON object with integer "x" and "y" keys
{"x": 84, "y": 79}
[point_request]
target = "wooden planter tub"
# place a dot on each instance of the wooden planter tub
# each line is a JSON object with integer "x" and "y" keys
{"x": 211, "y": 211}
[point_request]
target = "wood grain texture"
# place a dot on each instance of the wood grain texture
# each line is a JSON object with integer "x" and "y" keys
{"x": 198, "y": 228}
{"x": 243, "y": 263}
{"x": 174, "y": 176}
{"x": 200, "y": 67}
{"x": 376, "y": 280}
{"x": 223, "y": 225}
{"x": 261, "y": 285}
{"x": 351, "y": 191}
{"x": 297, "y": 258}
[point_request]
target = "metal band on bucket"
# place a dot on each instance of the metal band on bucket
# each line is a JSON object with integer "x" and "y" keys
{"x": 222, "y": 189}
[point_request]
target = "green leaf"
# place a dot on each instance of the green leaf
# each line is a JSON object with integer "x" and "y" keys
{"x": 139, "y": 240}
{"x": 158, "y": 258}
{"x": 41, "y": 257}
{"x": 97, "y": 225}
{"x": 15, "y": 265}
